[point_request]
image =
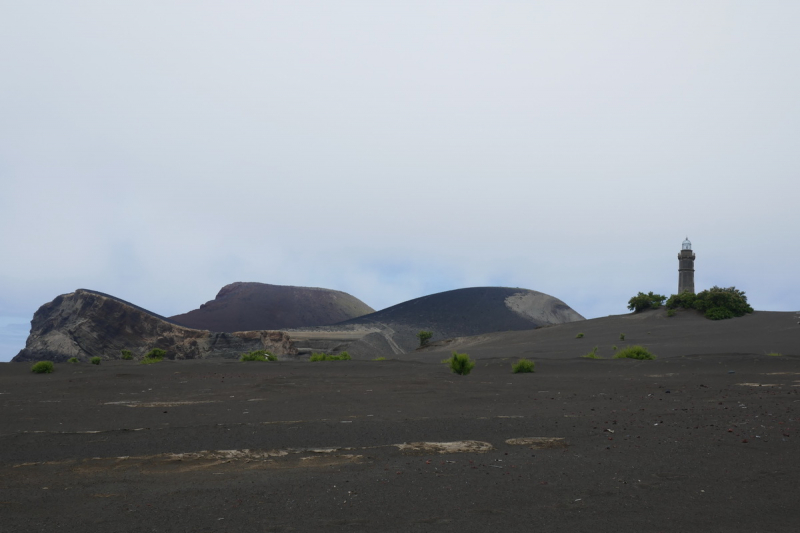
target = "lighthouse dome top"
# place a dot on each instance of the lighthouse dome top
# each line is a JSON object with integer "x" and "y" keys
{"x": 687, "y": 245}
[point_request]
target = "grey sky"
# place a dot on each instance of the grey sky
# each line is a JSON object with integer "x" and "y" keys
{"x": 160, "y": 150}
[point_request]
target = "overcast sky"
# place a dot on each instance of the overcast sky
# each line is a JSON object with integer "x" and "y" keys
{"x": 158, "y": 150}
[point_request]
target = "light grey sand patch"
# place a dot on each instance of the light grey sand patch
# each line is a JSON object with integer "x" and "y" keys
{"x": 158, "y": 404}
{"x": 459, "y": 446}
{"x": 201, "y": 459}
{"x": 539, "y": 443}
{"x": 220, "y": 454}
{"x": 312, "y": 458}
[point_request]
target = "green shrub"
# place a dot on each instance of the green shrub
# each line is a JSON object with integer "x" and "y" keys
{"x": 622, "y": 336}
{"x": 716, "y": 303}
{"x": 424, "y": 337}
{"x": 718, "y": 313}
{"x": 775, "y": 354}
{"x": 671, "y": 312}
{"x": 95, "y": 360}
{"x": 156, "y": 355}
{"x": 344, "y": 356}
{"x": 579, "y": 336}
{"x": 126, "y": 355}
{"x": 42, "y": 367}
{"x": 460, "y": 363}
{"x": 379, "y": 359}
{"x": 614, "y": 347}
{"x": 634, "y": 352}
{"x": 592, "y": 354}
{"x": 684, "y": 299}
{"x": 523, "y": 366}
{"x": 72, "y": 360}
{"x": 643, "y": 301}
{"x": 730, "y": 299}
{"x": 258, "y": 355}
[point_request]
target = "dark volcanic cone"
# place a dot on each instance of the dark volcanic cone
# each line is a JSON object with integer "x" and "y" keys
{"x": 253, "y": 306}
{"x": 476, "y": 310}
{"x": 456, "y": 313}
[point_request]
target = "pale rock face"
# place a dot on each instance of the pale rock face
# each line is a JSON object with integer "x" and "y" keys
{"x": 86, "y": 324}
{"x": 541, "y": 308}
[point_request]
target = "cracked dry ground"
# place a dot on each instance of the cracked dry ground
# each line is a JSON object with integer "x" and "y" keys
{"x": 669, "y": 445}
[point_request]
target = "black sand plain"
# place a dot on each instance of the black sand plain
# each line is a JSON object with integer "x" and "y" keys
{"x": 702, "y": 439}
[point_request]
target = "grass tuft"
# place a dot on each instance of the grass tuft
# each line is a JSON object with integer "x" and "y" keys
{"x": 258, "y": 355}
{"x": 156, "y": 355}
{"x": 379, "y": 359}
{"x": 592, "y": 354}
{"x": 95, "y": 360}
{"x": 126, "y": 355}
{"x": 344, "y": 356}
{"x": 635, "y": 352}
{"x": 775, "y": 354}
{"x": 72, "y": 360}
{"x": 523, "y": 366}
{"x": 579, "y": 336}
{"x": 42, "y": 367}
{"x": 622, "y": 336}
{"x": 460, "y": 363}
{"x": 424, "y": 337}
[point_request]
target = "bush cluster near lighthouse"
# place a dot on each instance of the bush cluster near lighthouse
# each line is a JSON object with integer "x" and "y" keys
{"x": 716, "y": 303}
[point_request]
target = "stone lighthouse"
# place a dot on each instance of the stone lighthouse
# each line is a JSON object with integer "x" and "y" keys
{"x": 686, "y": 268}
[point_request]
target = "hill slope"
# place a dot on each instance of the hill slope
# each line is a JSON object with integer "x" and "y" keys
{"x": 246, "y": 306}
{"x": 684, "y": 335}
{"x": 475, "y": 310}
{"x": 455, "y": 313}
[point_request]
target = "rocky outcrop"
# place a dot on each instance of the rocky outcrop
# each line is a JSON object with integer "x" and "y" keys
{"x": 86, "y": 324}
{"x": 254, "y": 306}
